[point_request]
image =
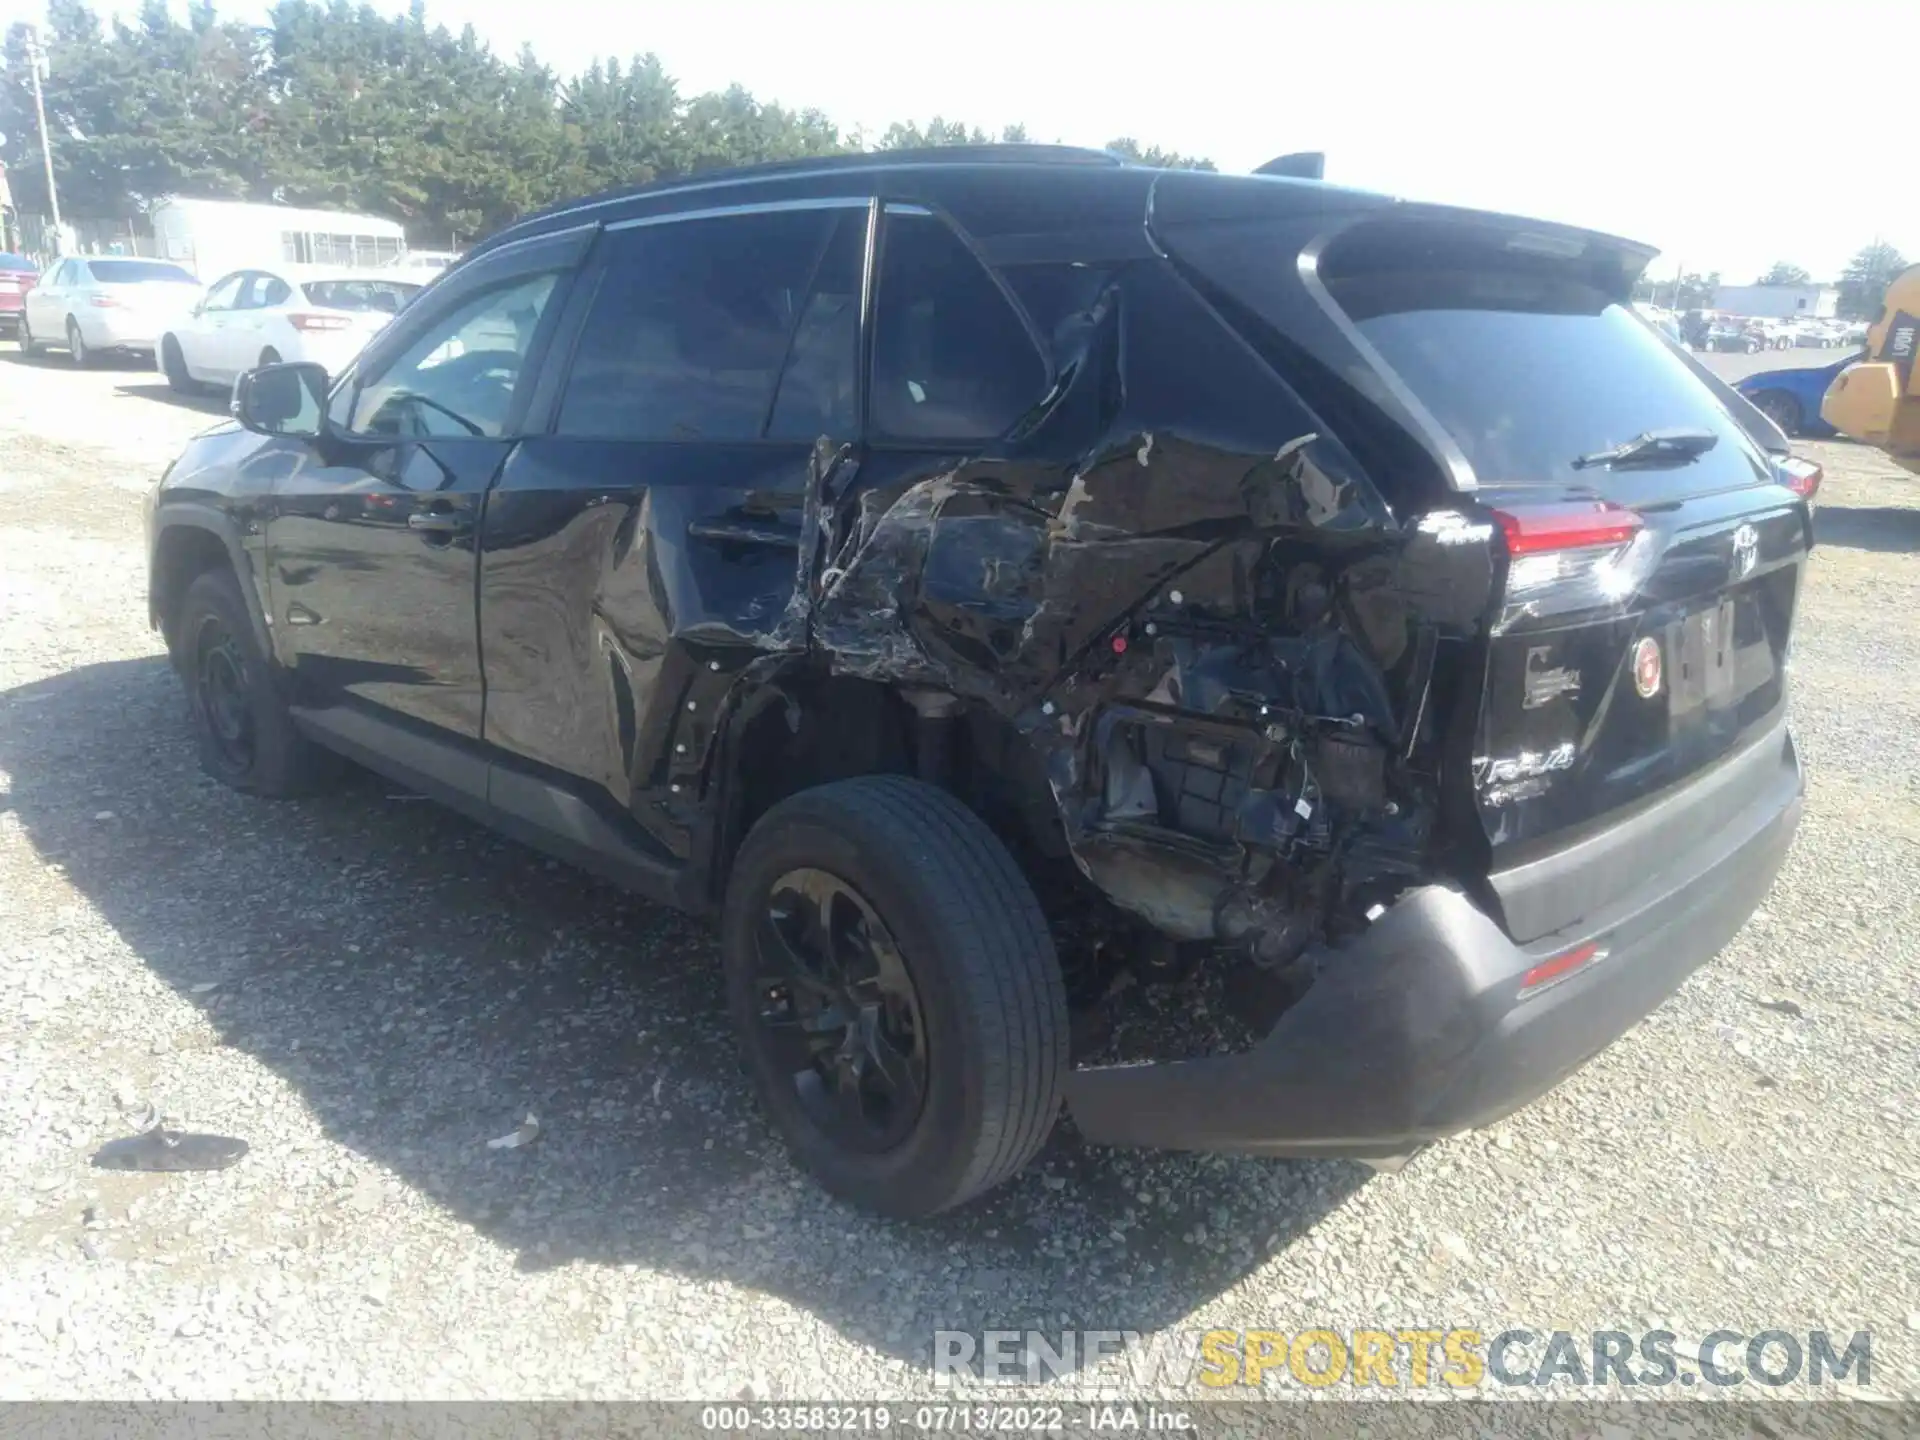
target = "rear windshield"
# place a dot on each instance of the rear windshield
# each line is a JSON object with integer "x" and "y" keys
{"x": 385, "y": 296}
{"x": 135, "y": 272}
{"x": 1528, "y": 368}
{"x": 10, "y": 261}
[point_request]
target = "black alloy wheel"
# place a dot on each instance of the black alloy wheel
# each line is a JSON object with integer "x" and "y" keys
{"x": 839, "y": 1014}
{"x": 221, "y": 696}
{"x": 241, "y": 724}
{"x": 896, "y": 994}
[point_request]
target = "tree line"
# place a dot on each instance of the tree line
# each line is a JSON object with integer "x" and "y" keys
{"x": 1861, "y": 284}
{"x": 338, "y": 106}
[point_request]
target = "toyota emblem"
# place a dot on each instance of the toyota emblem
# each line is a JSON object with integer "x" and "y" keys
{"x": 1646, "y": 668}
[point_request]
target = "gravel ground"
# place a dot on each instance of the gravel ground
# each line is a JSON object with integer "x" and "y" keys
{"x": 368, "y": 989}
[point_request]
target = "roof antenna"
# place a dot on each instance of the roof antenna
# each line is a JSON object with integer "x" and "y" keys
{"x": 1301, "y": 165}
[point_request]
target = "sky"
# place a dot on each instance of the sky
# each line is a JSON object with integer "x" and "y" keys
{"x": 1730, "y": 135}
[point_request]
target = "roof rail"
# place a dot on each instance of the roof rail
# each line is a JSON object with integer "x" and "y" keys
{"x": 1001, "y": 153}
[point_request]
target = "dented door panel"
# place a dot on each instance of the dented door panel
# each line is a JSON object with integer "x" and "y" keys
{"x": 613, "y": 574}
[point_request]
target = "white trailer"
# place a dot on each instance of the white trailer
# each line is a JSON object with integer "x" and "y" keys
{"x": 216, "y": 237}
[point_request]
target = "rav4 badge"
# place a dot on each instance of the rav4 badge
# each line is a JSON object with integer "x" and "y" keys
{"x": 1646, "y": 667}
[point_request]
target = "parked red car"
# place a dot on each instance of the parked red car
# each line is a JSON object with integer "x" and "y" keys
{"x": 18, "y": 275}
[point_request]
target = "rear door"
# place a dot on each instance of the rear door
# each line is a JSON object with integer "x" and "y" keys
{"x": 646, "y": 548}
{"x": 205, "y": 336}
{"x": 45, "y": 317}
{"x": 247, "y": 336}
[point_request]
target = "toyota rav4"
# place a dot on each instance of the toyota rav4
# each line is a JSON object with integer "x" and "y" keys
{"x": 905, "y": 558}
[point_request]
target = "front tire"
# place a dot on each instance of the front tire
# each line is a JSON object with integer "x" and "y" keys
{"x": 241, "y": 724}
{"x": 29, "y": 347}
{"x": 896, "y": 993}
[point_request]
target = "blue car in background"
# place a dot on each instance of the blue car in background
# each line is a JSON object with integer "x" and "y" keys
{"x": 1791, "y": 398}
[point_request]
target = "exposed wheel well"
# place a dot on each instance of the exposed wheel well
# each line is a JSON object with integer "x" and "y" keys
{"x": 181, "y": 553}
{"x": 812, "y": 730}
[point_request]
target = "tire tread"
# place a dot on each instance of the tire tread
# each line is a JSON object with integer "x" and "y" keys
{"x": 1000, "y": 955}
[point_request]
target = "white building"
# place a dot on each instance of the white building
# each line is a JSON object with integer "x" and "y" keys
{"x": 1778, "y": 302}
{"x": 215, "y": 237}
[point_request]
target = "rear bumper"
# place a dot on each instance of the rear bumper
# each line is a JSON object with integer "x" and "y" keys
{"x": 1416, "y": 1031}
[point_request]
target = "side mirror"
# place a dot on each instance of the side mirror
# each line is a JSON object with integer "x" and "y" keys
{"x": 286, "y": 400}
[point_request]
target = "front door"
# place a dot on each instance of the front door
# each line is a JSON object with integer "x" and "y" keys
{"x": 644, "y": 550}
{"x": 372, "y": 538}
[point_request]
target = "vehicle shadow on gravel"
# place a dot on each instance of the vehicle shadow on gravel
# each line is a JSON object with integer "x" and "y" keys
{"x": 131, "y": 361}
{"x": 1887, "y": 528}
{"x": 207, "y": 402}
{"x": 423, "y": 985}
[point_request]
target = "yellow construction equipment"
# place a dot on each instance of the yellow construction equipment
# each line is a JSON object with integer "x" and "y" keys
{"x": 1878, "y": 400}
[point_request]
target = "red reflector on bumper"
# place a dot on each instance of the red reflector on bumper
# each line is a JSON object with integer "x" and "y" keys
{"x": 1548, "y": 972}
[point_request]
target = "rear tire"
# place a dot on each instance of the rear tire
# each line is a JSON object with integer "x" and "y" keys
{"x": 983, "y": 1021}
{"x": 77, "y": 345}
{"x": 174, "y": 364}
{"x": 241, "y": 724}
{"x": 269, "y": 356}
{"x": 29, "y": 347}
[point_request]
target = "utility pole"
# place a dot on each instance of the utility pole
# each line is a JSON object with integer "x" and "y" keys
{"x": 37, "y": 63}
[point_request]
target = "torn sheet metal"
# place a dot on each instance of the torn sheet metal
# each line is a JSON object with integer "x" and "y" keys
{"x": 1222, "y": 644}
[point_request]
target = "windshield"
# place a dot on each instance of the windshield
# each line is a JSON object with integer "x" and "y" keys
{"x": 383, "y": 296}
{"x": 10, "y": 261}
{"x": 135, "y": 272}
{"x": 1528, "y": 370}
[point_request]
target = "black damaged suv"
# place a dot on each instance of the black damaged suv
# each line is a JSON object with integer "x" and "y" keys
{"x": 893, "y": 555}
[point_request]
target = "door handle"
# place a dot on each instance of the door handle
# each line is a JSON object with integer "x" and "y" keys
{"x": 438, "y": 522}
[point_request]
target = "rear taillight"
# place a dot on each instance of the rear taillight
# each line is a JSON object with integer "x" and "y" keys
{"x": 300, "y": 320}
{"x": 1579, "y": 555}
{"x": 103, "y": 302}
{"x": 1803, "y": 477}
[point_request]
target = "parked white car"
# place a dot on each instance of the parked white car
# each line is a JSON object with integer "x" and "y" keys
{"x": 289, "y": 312}
{"x": 89, "y": 304}
{"x": 426, "y": 263}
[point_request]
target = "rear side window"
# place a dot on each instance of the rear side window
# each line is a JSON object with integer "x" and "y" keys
{"x": 951, "y": 358}
{"x": 692, "y": 324}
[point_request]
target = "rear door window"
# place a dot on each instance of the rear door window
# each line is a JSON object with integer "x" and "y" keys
{"x": 952, "y": 359}
{"x": 819, "y": 388}
{"x": 694, "y": 320}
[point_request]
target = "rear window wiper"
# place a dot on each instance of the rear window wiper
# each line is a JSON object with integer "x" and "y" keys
{"x": 1653, "y": 447}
